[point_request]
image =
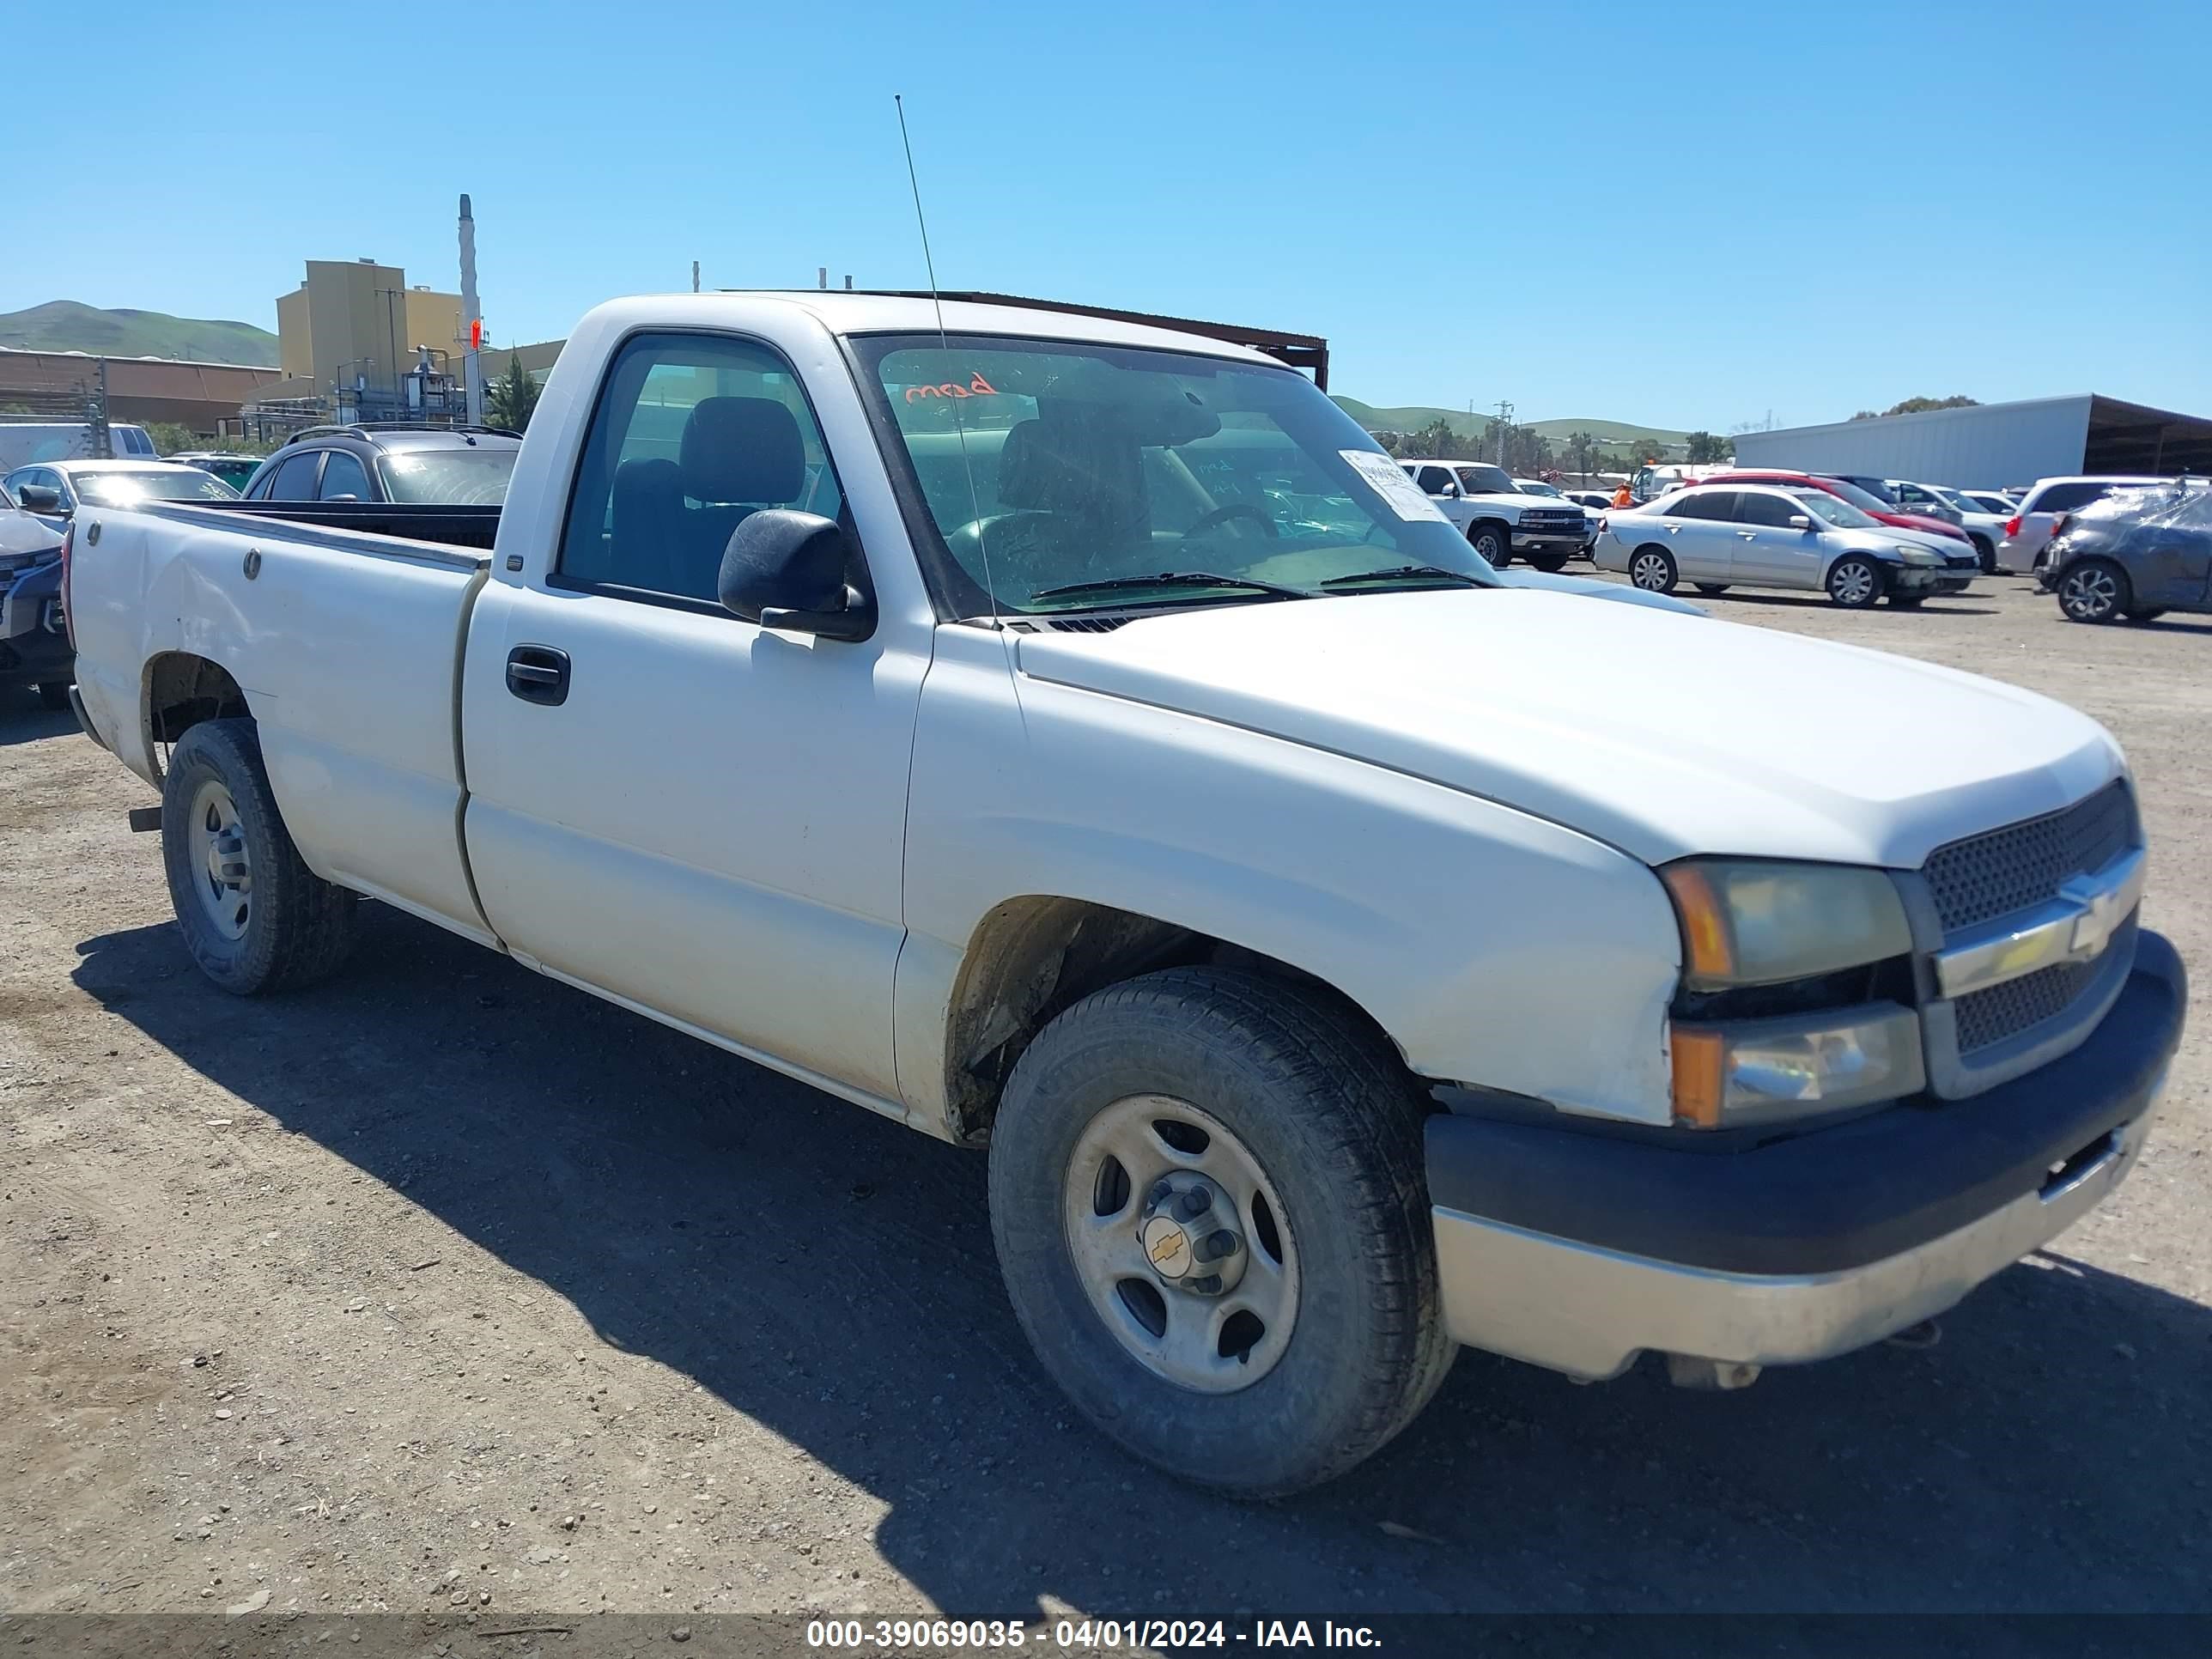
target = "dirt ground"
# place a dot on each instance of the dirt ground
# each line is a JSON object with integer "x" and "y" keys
{"x": 446, "y": 1286}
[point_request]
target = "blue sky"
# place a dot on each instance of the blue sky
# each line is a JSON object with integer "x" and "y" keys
{"x": 1686, "y": 215}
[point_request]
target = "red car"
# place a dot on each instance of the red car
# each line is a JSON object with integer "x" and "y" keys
{"x": 1873, "y": 505}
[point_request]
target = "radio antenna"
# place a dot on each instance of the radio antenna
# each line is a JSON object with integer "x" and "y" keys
{"x": 944, "y": 343}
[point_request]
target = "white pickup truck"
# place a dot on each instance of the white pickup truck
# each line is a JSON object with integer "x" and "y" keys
{"x": 1500, "y": 519}
{"x": 1082, "y": 740}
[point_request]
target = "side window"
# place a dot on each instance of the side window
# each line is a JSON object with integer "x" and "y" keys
{"x": 1704, "y": 504}
{"x": 692, "y": 434}
{"x": 1753, "y": 508}
{"x": 295, "y": 479}
{"x": 2064, "y": 498}
{"x": 1433, "y": 479}
{"x": 343, "y": 475}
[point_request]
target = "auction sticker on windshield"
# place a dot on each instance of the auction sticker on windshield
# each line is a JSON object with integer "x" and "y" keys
{"x": 1401, "y": 493}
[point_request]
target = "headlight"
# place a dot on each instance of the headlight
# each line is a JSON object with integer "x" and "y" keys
{"x": 1750, "y": 922}
{"x": 1762, "y": 1071}
{"x": 1919, "y": 555}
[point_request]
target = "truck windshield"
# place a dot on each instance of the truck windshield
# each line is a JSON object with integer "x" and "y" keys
{"x": 120, "y": 489}
{"x": 1486, "y": 481}
{"x": 450, "y": 478}
{"x": 1045, "y": 464}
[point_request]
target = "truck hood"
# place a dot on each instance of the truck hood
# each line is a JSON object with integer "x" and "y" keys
{"x": 1661, "y": 734}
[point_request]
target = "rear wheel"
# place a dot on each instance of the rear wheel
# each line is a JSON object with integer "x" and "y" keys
{"x": 1854, "y": 583}
{"x": 1652, "y": 567}
{"x": 1988, "y": 550}
{"x": 2094, "y": 591}
{"x": 1207, "y": 1194}
{"x": 1491, "y": 540}
{"x": 253, "y": 915}
{"x": 1716, "y": 589}
{"x": 53, "y": 694}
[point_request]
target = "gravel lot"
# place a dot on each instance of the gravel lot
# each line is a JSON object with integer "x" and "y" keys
{"x": 445, "y": 1285}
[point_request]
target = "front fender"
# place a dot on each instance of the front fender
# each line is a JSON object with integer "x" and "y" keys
{"x": 1494, "y": 948}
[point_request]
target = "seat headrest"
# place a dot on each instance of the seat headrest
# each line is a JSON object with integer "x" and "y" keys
{"x": 743, "y": 449}
{"x": 1080, "y": 469}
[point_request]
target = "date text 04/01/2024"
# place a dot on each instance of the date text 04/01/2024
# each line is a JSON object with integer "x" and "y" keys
{"x": 954, "y": 1634}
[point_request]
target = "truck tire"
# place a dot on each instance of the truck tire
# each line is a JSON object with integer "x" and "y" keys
{"x": 1282, "y": 1348}
{"x": 1492, "y": 541}
{"x": 1854, "y": 582}
{"x": 53, "y": 694}
{"x": 254, "y": 917}
{"x": 1652, "y": 567}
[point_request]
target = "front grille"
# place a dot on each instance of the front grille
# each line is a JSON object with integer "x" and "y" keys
{"x": 2004, "y": 1011}
{"x": 1985, "y": 877}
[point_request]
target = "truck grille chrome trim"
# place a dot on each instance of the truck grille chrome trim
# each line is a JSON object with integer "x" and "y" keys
{"x": 2074, "y": 927}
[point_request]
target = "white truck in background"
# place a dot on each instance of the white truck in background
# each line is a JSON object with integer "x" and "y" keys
{"x": 1499, "y": 519}
{"x": 1080, "y": 740}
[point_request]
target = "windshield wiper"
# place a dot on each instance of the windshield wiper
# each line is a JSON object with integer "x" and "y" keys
{"x": 1172, "y": 579}
{"x": 1430, "y": 571}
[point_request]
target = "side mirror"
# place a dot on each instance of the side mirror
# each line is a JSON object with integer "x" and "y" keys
{"x": 786, "y": 569}
{"x": 1451, "y": 491}
{"x": 38, "y": 498}
{"x": 1800, "y": 521}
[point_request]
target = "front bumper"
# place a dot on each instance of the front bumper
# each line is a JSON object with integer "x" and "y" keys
{"x": 1580, "y": 1251}
{"x": 34, "y": 648}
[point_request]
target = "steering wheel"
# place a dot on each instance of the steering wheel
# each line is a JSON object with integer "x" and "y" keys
{"x": 1221, "y": 514}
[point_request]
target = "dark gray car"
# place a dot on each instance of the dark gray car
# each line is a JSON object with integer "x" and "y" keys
{"x": 2136, "y": 554}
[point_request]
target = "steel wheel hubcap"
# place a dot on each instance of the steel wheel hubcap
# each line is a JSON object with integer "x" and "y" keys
{"x": 1853, "y": 582}
{"x": 2091, "y": 593}
{"x": 1650, "y": 573}
{"x": 1181, "y": 1244}
{"x": 223, "y": 870}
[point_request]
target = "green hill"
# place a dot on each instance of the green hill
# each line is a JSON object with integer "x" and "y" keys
{"x": 65, "y": 325}
{"x": 1411, "y": 417}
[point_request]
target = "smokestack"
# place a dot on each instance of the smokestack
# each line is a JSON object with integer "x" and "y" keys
{"x": 848, "y": 282}
{"x": 472, "y": 315}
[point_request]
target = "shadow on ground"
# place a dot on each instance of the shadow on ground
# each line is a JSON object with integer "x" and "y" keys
{"x": 2051, "y": 1453}
{"x": 23, "y": 719}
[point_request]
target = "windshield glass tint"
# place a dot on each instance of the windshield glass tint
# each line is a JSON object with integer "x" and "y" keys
{"x": 121, "y": 489}
{"x": 1531, "y": 487}
{"x": 449, "y": 477}
{"x": 1486, "y": 481}
{"x": 1842, "y": 514}
{"x": 1045, "y": 463}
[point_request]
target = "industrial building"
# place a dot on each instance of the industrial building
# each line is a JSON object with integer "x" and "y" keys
{"x": 357, "y": 329}
{"x": 61, "y": 385}
{"x": 1994, "y": 446}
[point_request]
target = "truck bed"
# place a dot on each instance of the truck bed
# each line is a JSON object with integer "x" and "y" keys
{"x": 447, "y": 526}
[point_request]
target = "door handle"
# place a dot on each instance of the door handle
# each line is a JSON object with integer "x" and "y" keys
{"x": 538, "y": 673}
{"x": 1749, "y": 535}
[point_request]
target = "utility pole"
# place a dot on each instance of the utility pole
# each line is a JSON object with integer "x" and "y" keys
{"x": 103, "y": 445}
{"x": 1505, "y": 421}
{"x": 472, "y": 318}
{"x": 695, "y": 276}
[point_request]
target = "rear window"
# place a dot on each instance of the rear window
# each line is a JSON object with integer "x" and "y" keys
{"x": 449, "y": 477}
{"x": 120, "y": 489}
{"x": 2065, "y": 497}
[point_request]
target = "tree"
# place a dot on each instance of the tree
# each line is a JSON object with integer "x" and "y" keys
{"x": 1706, "y": 447}
{"x": 1581, "y": 452}
{"x": 513, "y": 398}
{"x": 1915, "y": 405}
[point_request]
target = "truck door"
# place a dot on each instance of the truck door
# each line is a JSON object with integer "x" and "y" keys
{"x": 671, "y": 805}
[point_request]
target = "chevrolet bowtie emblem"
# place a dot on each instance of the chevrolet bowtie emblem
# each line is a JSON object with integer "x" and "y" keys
{"x": 2103, "y": 910}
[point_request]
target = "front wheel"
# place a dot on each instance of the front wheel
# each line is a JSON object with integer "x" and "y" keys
{"x": 1652, "y": 567}
{"x": 1492, "y": 542}
{"x": 2094, "y": 591}
{"x": 253, "y": 915}
{"x": 1854, "y": 583}
{"x": 1207, "y": 1194}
